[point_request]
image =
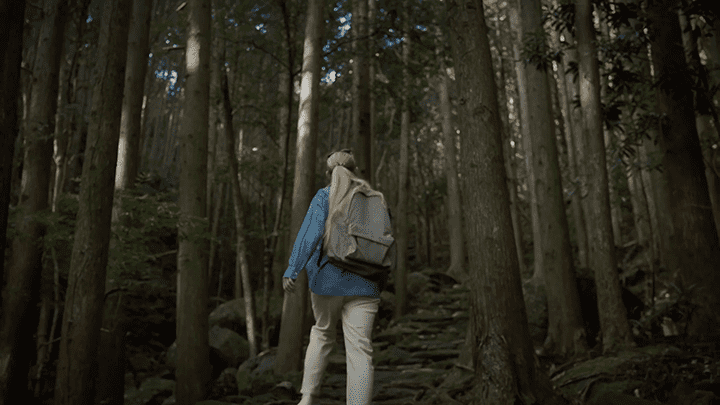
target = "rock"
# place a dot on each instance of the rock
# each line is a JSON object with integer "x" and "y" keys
{"x": 230, "y": 315}
{"x": 213, "y": 402}
{"x": 140, "y": 362}
{"x": 232, "y": 347}
{"x": 417, "y": 283}
{"x": 227, "y": 349}
{"x": 263, "y": 362}
{"x": 169, "y": 400}
{"x": 152, "y": 390}
{"x": 225, "y": 384}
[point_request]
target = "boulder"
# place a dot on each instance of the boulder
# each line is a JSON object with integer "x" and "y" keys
{"x": 232, "y": 347}
{"x": 227, "y": 349}
{"x": 230, "y": 315}
{"x": 417, "y": 284}
{"x": 153, "y": 390}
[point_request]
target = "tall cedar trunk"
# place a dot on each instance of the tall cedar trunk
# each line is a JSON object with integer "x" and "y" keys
{"x": 401, "y": 221}
{"x": 506, "y": 368}
{"x": 695, "y": 245}
{"x": 567, "y": 90}
{"x": 21, "y": 293}
{"x": 361, "y": 85}
{"x": 577, "y": 139}
{"x": 457, "y": 244}
{"x": 193, "y": 365}
{"x": 525, "y": 131}
{"x": 565, "y": 328}
{"x": 240, "y": 244}
{"x": 508, "y": 152}
{"x": 601, "y": 256}
{"x": 77, "y": 364}
{"x": 294, "y": 305}
{"x": 12, "y": 17}
{"x": 284, "y": 118}
{"x": 705, "y": 111}
{"x": 137, "y": 58}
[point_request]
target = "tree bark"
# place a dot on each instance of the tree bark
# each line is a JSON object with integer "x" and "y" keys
{"x": 567, "y": 90}
{"x": 193, "y": 365}
{"x": 401, "y": 217}
{"x": 137, "y": 57}
{"x": 695, "y": 246}
{"x": 13, "y": 18}
{"x": 361, "y": 88}
{"x": 565, "y": 327}
{"x": 506, "y": 368}
{"x": 241, "y": 263}
{"x": 77, "y": 364}
{"x": 21, "y": 292}
{"x": 457, "y": 243}
{"x": 525, "y": 130}
{"x": 601, "y": 256}
{"x": 294, "y": 305}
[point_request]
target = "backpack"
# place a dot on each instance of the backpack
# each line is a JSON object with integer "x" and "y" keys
{"x": 360, "y": 237}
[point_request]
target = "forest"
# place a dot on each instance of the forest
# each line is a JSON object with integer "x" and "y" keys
{"x": 552, "y": 168}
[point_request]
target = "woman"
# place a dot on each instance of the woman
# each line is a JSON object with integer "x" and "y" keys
{"x": 335, "y": 295}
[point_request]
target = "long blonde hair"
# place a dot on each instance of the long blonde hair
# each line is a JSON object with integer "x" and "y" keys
{"x": 343, "y": 180}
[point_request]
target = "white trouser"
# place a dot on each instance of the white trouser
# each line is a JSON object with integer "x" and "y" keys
{"x": 357, "y": 314}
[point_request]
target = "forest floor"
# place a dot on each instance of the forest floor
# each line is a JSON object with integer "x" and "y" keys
{"x": 420, "y": 359}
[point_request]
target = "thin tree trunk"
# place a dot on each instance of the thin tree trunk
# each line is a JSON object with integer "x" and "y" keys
{"x": 525, "y": 131}
{"x": 565, "y": 327}
{"x": 21, "y": 293}
{"x": 508, "y": 148}
{"x": 11, "y": 52}
{"x": 613, "y": 315}
{"x": 696, "y": 248}
{"x": 137, "y": 57}
{"x": 457, "y": 243}
{"x": 193, "y": 367}
{"x": 218, "y": 195}
{"x": 361, "y": 90}
{"x": 294, "y": 305}
{"x": 566, "y": 91}
{"x": 506, "y": 370}
{"x": 241, "y": 263}
{"x": 77, "y": 365}
{"x": 401, "y": 221}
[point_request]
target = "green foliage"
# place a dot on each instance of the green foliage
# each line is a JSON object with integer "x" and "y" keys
{"x": 146, "y": 226}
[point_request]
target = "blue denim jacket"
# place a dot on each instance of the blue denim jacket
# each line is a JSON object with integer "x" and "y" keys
{"x": 329, "y": 280}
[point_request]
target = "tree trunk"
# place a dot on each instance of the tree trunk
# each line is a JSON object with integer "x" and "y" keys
{"x": 77, "y": 365}
{"x": 361, "y": 88}
{"x": 21, "y": 293}
{"x": 457, "y": 244}
{"x": 401, "y": 221}
{"x": 695, "y": 245}
{"x": 137, "y": 62}
{"x": 293, "y": 314}
{"x": 508, "y": 143}
{"x": 567, "y": 90}
{"x": 12, "y": 18}
{"x": 193, "y": 365}
{"x": 601, "y": 256}
{"x": 565, "y": 330}
{"x": 525, "y": 131}
{"x": 506, "y": 368}
{"x": 241, "y": 263}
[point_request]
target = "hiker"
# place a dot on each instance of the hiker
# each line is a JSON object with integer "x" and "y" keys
{"x": 335, "y": 295}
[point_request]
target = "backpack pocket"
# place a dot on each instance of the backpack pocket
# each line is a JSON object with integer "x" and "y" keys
{"x": 371, "y": 246}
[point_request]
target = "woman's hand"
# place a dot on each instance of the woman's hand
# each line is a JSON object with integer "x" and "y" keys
{"x": 288, "y": 285}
